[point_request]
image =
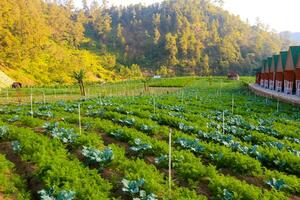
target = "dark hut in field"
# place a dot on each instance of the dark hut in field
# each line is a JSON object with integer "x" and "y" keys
{"x": 16, "y": 85}
{"x": 272, "y": 72}
{"x": 297, "y": 76}
{"x": 233, "y": 76}
{"x": 289, "y": 71}
{"x": 280, "y": 71}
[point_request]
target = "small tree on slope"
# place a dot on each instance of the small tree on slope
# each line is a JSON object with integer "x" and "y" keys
{"x": 79, "y": 76}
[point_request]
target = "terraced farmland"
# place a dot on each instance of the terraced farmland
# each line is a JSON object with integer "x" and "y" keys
{"x": 226, "y": 143}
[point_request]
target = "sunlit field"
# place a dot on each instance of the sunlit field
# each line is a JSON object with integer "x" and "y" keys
{"x": 226, "y": 143}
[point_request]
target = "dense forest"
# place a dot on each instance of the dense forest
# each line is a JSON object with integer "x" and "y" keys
{"x": 43, "y": 42}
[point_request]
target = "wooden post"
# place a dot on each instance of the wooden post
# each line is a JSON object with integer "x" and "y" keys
{"x": 277, "y": 105}
{"x": 31, "y": 105}
{"x": 54, "y": 94}
{"x": 170, "y": 163}
{"x": 223, "y": 123}
{"x": 154, "y": 106}
{"x": 266, "y": 101}
{"x": 65, "y": 94}
{"x": 44, "y": 98}
{"x": 182, "y": 97}
{"x": 232, "y": 104}
{"x": 7, "y": 96}
{"x": 79, "y": 119}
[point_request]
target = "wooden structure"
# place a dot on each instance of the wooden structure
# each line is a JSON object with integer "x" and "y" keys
{"x": 16, "y": 85}
{"x": 289, "y": 71}
{"x": 267, "y": 71}
{"x": 258, "y": 75}
{"x": 279, "y": 71}
{"x": 233, "y": 76}
{"x": 297, "y": 76}
{"x": 272, "y": 72}
{"x": 262, "y": 74}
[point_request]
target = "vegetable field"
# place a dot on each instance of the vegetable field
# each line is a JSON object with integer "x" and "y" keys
{"x": 226, "y": 144}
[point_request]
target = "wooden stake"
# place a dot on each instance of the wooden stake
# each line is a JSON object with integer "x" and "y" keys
{"x": 44, "y": 98}
{"x": 223, "y": 123}
{"x": 170, "y": 163}
{"x": 79, "y": 119}
{"x": 55, "y": 94}
{"x": 154, "y": 109}
{"x": 7, "y": 96}
{"x": 31, "y": 105}
{"x": 182, "y": 97}
{"x": 232, "y": 104}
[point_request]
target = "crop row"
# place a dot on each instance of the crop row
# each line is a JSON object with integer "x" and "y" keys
{"x": 154, "y": 182}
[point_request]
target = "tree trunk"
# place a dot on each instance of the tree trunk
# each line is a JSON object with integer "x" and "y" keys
{"x": 83, "y": 90}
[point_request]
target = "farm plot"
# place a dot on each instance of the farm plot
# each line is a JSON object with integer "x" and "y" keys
{"x": 226, "y": 143}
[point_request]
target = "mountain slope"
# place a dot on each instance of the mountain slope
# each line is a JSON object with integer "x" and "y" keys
{"x": 39, "y": 44}
{"x": 187, "y": 36}
{"x": 44, "y": 42}
{"x": 5, "y": 81}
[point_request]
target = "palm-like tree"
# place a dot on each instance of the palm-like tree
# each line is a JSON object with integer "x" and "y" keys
{"x": 79, "y": 76}
{"x": 146, "y": 81}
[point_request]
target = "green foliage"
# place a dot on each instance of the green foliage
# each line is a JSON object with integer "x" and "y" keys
{"x": 11, "y": 184}
{"x": 133, "y": 187}
{"x": 96, "y": 156}
{"x": 50, "y": 194}
{"x": 3, "y": 131}
{"x": 228, "y": 163}
{"x": 16, "y": 146}
{"x": 191, "y": 37}
{"x": 140, "y": 147}
{"x": 64, "y": 134}
{"x": 277, "y": 184}
{"x": 133, "y": 72}
{"x": 188, "y": 37}
{"x": 79, "y": 76}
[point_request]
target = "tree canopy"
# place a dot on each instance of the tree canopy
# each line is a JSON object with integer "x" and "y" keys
{"x": 44, "y": 41}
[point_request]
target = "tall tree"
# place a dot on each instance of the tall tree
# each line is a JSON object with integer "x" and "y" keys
{"x": 171, "y": 48}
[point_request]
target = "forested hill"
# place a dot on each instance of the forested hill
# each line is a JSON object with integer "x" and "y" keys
{"x": 43, "y": 42}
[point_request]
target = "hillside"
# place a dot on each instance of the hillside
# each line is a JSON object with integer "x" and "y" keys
{"x": 43, "y": 42}
{"x": 5, "y": 81}
{"x": 39, "y": 44}
{"x": 191, "y": 37}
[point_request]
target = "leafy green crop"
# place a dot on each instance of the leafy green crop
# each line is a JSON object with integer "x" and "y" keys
{"x": 278, "y": 184}
{"x": 140, "y": 147}
{"x": 64, "y": 135}
{"x": 133, "y": 188}
{"x": 3, "y": 131}
{"x": 95, "y": 156}
{"x": 51, "y": 194}
{"x": 16, "y": 146}
{"x": 190, "y": 144}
